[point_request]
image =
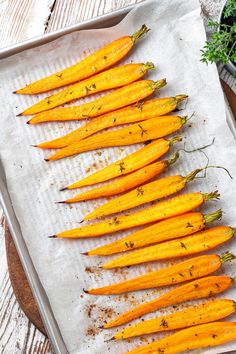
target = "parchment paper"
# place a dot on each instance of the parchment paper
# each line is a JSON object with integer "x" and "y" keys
{"x": 173, "y": 44}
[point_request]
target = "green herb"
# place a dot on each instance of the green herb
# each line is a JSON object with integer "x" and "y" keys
{"x": 230, "y": 9}
{"x": 139, "y": 105}
{"x": 129, "y": 244}
{"x": 143, "y": 131}
{"x": 115, "y": 221}
{"x": 164, "y": 323}
{"x": 122, "y": 167}
{"x": 183, "y": 245}
{"x": 140, "y": 191}
{"x": 222, "y": 44}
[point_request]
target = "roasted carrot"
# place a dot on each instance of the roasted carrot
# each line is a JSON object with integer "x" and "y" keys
{"x": 197, "y": 289}
{"x": 157, "y": 189}
{"x": 130, "y": 163}
{"x": 113, "y": 78}
{"x": 98, "y": 61}
{"x": 160, "y": 211}
{"x": 172, "y": 228}
{"x": 190, "y": 269}
{"x": 185, "y": 246}
{"x": 126, "y": 182}
{"x": 119, "y": 98}
{"x": 201, "y": 336}
{"x": 147, "y": 130}
{"x": 131, "y": 114}
{"x": 204, "y": 313}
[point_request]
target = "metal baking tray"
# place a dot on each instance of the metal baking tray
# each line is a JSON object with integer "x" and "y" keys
{"x": 39, "y": 293}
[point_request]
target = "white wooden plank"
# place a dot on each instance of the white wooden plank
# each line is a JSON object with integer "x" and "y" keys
{"x": 22, "y": 19}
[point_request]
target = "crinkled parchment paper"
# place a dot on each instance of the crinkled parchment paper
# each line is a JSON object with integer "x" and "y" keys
{"x": 173, "y": 44}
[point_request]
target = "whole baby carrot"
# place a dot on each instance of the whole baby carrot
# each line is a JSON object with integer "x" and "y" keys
{"x": 147, "y": 130}
{"x": 160, "y": 211}
{"x": 192, "y": 268}
{"x": 201, "y": 336}
{"x": 178, "y": 226}
{"x": 185, "y": 246}
{"x": 203, "y": 313}
{"x": 126, "y": 182}
{"x": 130, "y": 163}
{"x": 193, "y": 290}
{"x": 130, "y": 114}
{"x": 119, "y": 98}
{"x": 99, "y": 60}
{"x": 113, "y": 78}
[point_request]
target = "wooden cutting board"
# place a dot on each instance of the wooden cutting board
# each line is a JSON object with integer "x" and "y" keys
{"x": 20, "y": 283}
{"x": 18, "y": 278}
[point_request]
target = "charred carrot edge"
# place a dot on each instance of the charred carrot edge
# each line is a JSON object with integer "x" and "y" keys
{"x": 201, "y": 336}
{"x": 119, "y": 98}
{"x": 165, "y": 230}
{"x": 148, "y": 192}
{"x": 99, "y": 60}
{"x": 199, "y": 242}
{"x": 160, "y": 211}
{"x": 190, "y": 269}
{"x": 110, "y": 79}
{"x": 204, "y": 313}
{"x": 147, "y": 130}
{"x": 125, "y": 183}
{"x": 128, "y": 164}
{"x": 193, "y": 290}
{"x": 131, "y": 114}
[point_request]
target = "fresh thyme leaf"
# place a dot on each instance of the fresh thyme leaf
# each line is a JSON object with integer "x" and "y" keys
{"x": 129, "y": 244}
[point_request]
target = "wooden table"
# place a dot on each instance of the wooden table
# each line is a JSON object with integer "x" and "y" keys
{"x": 20, "y": 20}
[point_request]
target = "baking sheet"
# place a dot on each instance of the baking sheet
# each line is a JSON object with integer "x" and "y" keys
{"x": 173, "y": 45}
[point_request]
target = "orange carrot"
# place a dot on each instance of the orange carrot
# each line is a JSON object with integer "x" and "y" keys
{"x": 131, "y": 114}
{"x": 130, "y": 163}
{"x": 119, "y": 98}
{"x": 155, "y": 190}
{"x": 201, "y": 336}
{"x": 193, "y": 290}
{"x": 185, "y": 246}
{"x": 113, "y": 78}
{"x": 126, "y": 182}
{"x": 160, "y": 211}
{"x": 178, "y": 226}
{"x": 204, "y": 313}
{"x": 147, "y": 130}
{"x": 98, "y": 61}
{"x": 190, "y": 269}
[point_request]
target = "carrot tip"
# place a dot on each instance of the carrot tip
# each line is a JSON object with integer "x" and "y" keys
{"x": 53, "y": 236}
{"x": 14, "y": 92}
{"x": 26, "y": 122}
{"x": 85, "y": 291}
{"x": 19, "y": 114}
{"x": 81, "y": 221}
{"x": 60, "y": 202}
{"x": 63, "y": 189}
{"x": 84, "y": 253}
{"x": 46, "y": 160}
